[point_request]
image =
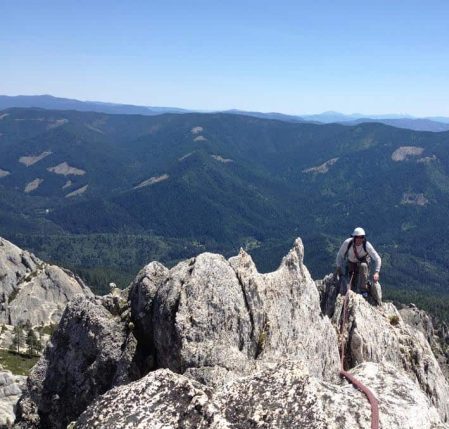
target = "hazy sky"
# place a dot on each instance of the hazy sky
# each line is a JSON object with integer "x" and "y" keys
{"x": 383, "y": 56}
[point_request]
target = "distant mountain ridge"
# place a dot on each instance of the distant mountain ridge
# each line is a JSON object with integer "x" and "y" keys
{"x": 434, "y": 124}
{"x": 50, "y": 102}
{"x": 407, "y": 123}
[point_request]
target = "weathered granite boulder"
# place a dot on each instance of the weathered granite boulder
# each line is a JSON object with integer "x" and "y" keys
{"x": 33, "y": 291}
{"x": 283, "y": 396}
{"x": 11, "y": 387}
{"x": 91, "y": 351}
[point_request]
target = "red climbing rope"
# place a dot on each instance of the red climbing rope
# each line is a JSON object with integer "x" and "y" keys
{"x": 356, "y": 383}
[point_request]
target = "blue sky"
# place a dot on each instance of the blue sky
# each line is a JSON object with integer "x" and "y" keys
{"x": 286, "y": 56}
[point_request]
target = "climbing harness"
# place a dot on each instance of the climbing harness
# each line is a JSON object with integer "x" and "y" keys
{"x": 352, "y": 244}
{"x": 356, "y": 383}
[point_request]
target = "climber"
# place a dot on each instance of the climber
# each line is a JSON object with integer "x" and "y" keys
{"x": 358, "y": 252}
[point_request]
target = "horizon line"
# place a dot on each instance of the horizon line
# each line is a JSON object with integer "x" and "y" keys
{"x": 202, "y": 110}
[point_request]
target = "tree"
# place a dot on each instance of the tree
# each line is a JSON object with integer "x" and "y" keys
{"x": 18, "y": 339}
{"x": 33, "y": 342}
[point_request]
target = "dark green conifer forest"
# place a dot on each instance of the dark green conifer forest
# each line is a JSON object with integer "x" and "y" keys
{"x": 171, "y": 186}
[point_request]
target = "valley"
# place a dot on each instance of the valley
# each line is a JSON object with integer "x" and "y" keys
{"x": 104, "y": 194}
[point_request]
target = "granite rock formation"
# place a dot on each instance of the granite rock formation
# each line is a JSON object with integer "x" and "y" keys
{"x": 379, "y": 334}
{"x": 32, "y": 290}
{"x": 11, "y": 387}
{"x": 213, "y": 343}
{"x": 91, "y": 351}
{"x": 435, "y": 332}
{"x": 218, "y": 319}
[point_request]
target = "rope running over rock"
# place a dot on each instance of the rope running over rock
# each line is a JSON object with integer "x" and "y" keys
{"x": 356, "y": 383}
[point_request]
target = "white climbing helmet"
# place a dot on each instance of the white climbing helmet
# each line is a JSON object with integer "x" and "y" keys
{"x": 358, "y": 232}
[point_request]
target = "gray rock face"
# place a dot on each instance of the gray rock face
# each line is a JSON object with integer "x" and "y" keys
{"x": 285, "y": 314}
{"x": 141, "y": 297}
{"x": 31, "y": 290}
{"x": 328, "y": 288}
{"x": 215, "y": 319}
{"x": 200, "y": 318}
{"x": 419, "y": 320}
{"x": 90, "y": 352}
{"x": 11, "y": 387}
{"x": 382, "y": 334}
{"x": 283, "y": 396}
{"x": 435, "y": 333}
{"x": 15, "y": 264}
{"x": 378, "y": 334}
{"x": 43, "y": 298}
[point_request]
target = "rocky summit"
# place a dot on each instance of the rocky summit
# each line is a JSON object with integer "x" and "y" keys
{"x": 213, "y": 343}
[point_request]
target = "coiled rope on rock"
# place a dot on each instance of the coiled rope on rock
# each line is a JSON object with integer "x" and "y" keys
{"x": 356, "y": 383}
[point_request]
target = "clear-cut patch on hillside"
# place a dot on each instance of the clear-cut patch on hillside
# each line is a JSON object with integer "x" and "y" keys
{"x": 97, "y": 124}
{"x": 185, "y": 156}
{"x": 152, "y": 181}
{"x": 427, "y": 159}
{"x": 97, "y": 130}
{"x": 30, "y": 187}
{"x": 415, "y": 199}
{"x": 3, "y": 115}
{"x": 67, "y": 184}
{"x": 196, "y": 130}
{"x": 33, "y": 159}
{"x": 66, "y": 170}
{"x": 200, "y": 139}
{"x": 4, "y": 173}
{"x": 57, "y": 123}
{"x": 404, "y": 152}
{"x": 77, "y": 192}
{"x": 323, "y": 168}
{"x": 221, "y": 159}
{"x": 30, "y": 119}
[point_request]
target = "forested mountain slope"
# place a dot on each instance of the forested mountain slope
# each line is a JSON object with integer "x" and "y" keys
{"x": 169, "y": 185}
